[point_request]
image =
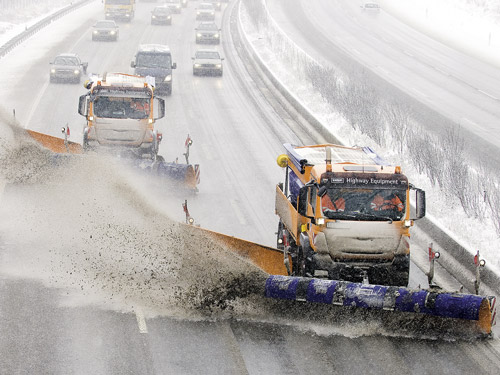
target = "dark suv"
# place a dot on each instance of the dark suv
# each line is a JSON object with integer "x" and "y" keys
{"x": 155, "y": 60}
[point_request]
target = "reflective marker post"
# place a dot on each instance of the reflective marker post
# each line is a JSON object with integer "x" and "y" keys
{"x": 478, "y": 262}
{"x": 433, "y": 255}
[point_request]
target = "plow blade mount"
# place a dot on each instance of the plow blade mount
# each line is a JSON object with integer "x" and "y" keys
{"x": 465, "y": 307}
{"x": 187, "y": 174}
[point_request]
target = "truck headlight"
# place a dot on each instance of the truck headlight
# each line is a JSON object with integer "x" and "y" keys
{"x": 168, "y": 78}
{"x": 76, "y": 71}
{"x": 218, "y": 66}
{"x": 113, "y": 32}
{"x": 169, "y": 17}
{"x": 153, "y": 16}
{"x": 198, "y": 13}
{"x": 212, "y": 13}
{"x": 96, "y": 32}
{"x": 198, "y": 35}
{"x": 197, "y": 65}
{"x": 216, "y": 35}
{"x": 53, "y": 71}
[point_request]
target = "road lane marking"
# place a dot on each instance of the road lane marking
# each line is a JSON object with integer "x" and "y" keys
{"x": 2, "y": 188}
{"x": 237, "y": 210}
{"x": 489, "y": 95}
{"x": 141, "y": 321}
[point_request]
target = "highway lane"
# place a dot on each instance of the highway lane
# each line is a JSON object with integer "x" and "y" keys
{"x": 230, "y": 124}
{"x": 456, "y": 86}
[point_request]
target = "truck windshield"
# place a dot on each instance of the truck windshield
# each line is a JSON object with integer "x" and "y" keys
{"x": 364, "y": 204}
{"x": 120, "y": 107}
{"x": 156, "y": 60}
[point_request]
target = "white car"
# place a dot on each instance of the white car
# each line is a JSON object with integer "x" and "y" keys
{"x": 371, "y": 7}
{"x": 174, "y": 5}
{"x": 207, "y": 62}
{"x": 205, "y": 11}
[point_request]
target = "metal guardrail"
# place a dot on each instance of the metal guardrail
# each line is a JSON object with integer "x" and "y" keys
{"x": 30, "y": 31}
{"x": 460, "y": 254}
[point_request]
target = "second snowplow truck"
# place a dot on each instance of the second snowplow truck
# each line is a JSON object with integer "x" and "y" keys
{"x": 345, "y": 214}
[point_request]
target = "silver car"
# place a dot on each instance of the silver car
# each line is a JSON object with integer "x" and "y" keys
{"x": 207, "y": 32}
{"x": 67, "y": 67}
{"x": 174, "y": 5}
{"x": 107, "y": 29}
{"x": 207, "y": 62}
{"x": 205, "y": 11}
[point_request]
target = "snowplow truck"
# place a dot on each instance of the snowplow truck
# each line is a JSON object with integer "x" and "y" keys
{"x": 120, "y": 113}
{"x": 345, "y": 214}
{"x": 123, "y": 10}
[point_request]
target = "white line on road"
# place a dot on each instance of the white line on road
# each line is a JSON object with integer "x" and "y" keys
{"x": 237, "y": 210}
{"x": 489, "y": 95}
{"x": 2, "y": 188}
{"x": 41, "y": 93}
{"x": 141, "y": 321}
{"x": 469, "y": 121}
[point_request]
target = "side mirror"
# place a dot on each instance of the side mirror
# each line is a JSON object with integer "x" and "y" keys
{"x": 419, "y": 204}
{"x": 82, "y": 105}
{"x": 132, "y": 64}
{"x": 161, "y": 108}
{"x": 302, "y": 203}
{"x": 174, "y": 66}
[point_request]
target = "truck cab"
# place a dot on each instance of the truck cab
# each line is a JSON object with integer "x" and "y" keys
{"x": 121, "y": 111}
{"x": 155, "y": 60}
{"x": 345, "y": 214}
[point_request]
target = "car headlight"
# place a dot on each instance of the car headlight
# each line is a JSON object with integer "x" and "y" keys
{"x": 169, "y": 17}
{"x": 198, "y": 13}
{"x": 216, "y": 35}
{"x": 96, "y": 32}
{"x": 198, "y": 35}
{"x": 153, "y": 16}
{"x": 127, "y": 15}
{"x": 52, "y": 71}
{"x": 168, "y": 78}
{"x": 178, "y": 6}
{"x": 197, "y": 65}
{"x": 212, "y": 13}
{"x": 113, "y": 32}
{"x": 218, "y": 66}
{"x": 76, "y": 71}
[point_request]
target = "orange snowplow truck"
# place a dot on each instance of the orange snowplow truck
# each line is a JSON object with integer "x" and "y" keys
{"x": 345, "y": 214}
{"x": 120, "y": 111}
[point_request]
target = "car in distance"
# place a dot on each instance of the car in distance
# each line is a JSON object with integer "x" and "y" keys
{"x": 161, "y": 15}
{"x": 67, "y": 67}
{"x": 207, "y": 62}
{"x": 207, "y": 32}
{"x": 371, "y": 7}
{"x": 205, "y": 11}
{"x": 105, "y": 29}
{"x": 174, "y": 5}
{"x": 216, "y": 3}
